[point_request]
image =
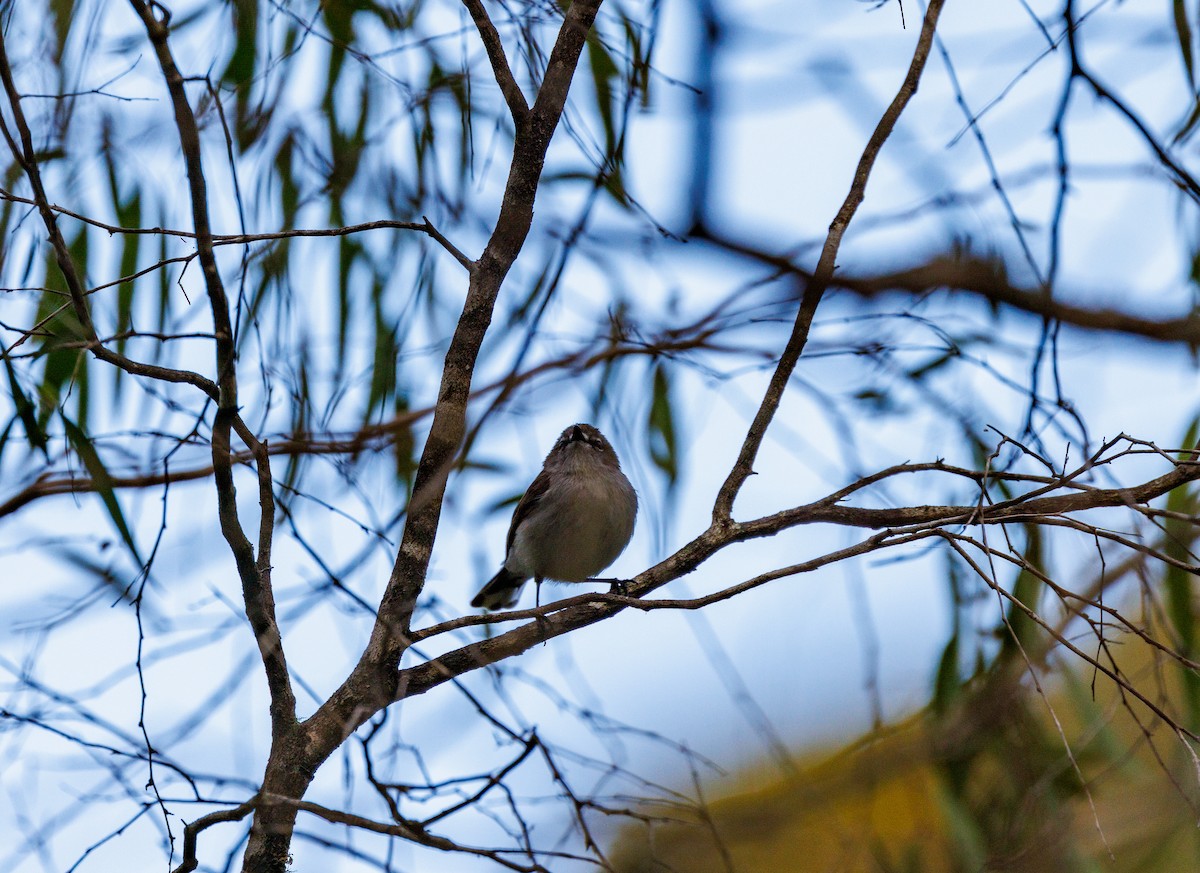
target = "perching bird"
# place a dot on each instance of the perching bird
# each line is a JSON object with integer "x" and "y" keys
{"x": 574, "y": 520}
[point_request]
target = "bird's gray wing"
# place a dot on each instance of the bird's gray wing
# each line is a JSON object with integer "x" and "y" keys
{"x": 532, "y": 497}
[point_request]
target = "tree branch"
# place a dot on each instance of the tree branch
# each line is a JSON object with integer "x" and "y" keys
{"x": 192, "y": 830}
{"x": 898, "y": 525}
{"x": 985, "y": 278}
{"x": 494, "y": 47}
{"x": 25, "y": 155}
{"x": 371, "y": 684}
{"x": 411, "y": 831}
{"x": 375, "y": 675}
{"x": 225, "y": 239}
{"x": 256, "y": 588}
{"x": 815, "y": 289}
{"x": 372, "y": 436}
{"x": 988, "y": 280}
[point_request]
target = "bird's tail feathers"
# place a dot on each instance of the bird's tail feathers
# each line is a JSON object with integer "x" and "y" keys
{"x": 501, "y": 592}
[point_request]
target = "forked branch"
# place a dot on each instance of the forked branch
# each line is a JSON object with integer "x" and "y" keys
{"x": 253, "y": 569}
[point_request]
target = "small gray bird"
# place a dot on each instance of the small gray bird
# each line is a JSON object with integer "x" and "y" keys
{"x": 574, "y": 520}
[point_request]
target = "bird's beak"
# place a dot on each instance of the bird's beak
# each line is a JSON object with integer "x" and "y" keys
{"x": 576, "y": 434}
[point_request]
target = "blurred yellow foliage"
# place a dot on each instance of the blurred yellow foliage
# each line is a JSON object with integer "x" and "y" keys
{"x": 984, "y": 785}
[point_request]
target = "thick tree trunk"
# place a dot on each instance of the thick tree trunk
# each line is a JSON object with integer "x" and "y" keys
{"x": 287, "y": 777}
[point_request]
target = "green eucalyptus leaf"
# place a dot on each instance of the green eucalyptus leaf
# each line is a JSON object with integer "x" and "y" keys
{"x": 26, "y": 412}
{"x": 664, "y": 447}
{"x": 130, "y": 215}
{"x": 1179, "y": 583}
{"x": 82, "y": 444}
{"x": 63, "y": 13}
{"x": 1188, "y": 126}
{"x": 60, "y": 332}
{"x": 240, "y": 70}
{"x": 947, "y": 686}
{"x": 1022, "y": 631}
{"x": 383, "y": 366}
{"x": 604, "y": 74}
{"x": 404, "y": 443}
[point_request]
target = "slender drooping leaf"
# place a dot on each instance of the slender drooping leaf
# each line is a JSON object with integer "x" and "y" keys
{"x": 383, "y": 364}
{"x": 129, "y": 214}
{"x": 102, "y": 482}
{"x": 239, "y": 72}
{"x": 26, "y": 412}
{"x": 947, "y": 684}
{"x": 1179, "y": 583}
{"x": 404, "y": 444}
{"x": 62, "y": 12}
{"x": 60, "y": 332}
{"x": 604, "y": 74}
{"x": 1022, "y": 632}
{"x": 664, "y": 448}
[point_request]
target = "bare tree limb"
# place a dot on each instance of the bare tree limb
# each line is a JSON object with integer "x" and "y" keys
{"x": 257, "y": 594}
{"x": 815, "y": 289}
{"x": 988, "y": 280}
{"x": 25, "y": 155}
{"x": 957, "y": 274}
{"x": 1183, "y": 178}
{"x": 369, "y": 437}
{"x": 1083, "y": 506}
{"x": 411, "y": 831}
{"x": 226, "y": 239}
{"x": 192, "y": 830}
{"x": 370, "y": 685}
{"x": 446, "y": 432}
{"x": 494, "y": 47}
{"x": 899, "y": 525}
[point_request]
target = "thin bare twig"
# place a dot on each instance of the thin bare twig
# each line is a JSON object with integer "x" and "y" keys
{"x": 26, "y": 156}
{"x": 192, "y": 830}
{"x": 256, "y": 587}
{"x": 494, "y": 47}
{"x": 815, "y": 288}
